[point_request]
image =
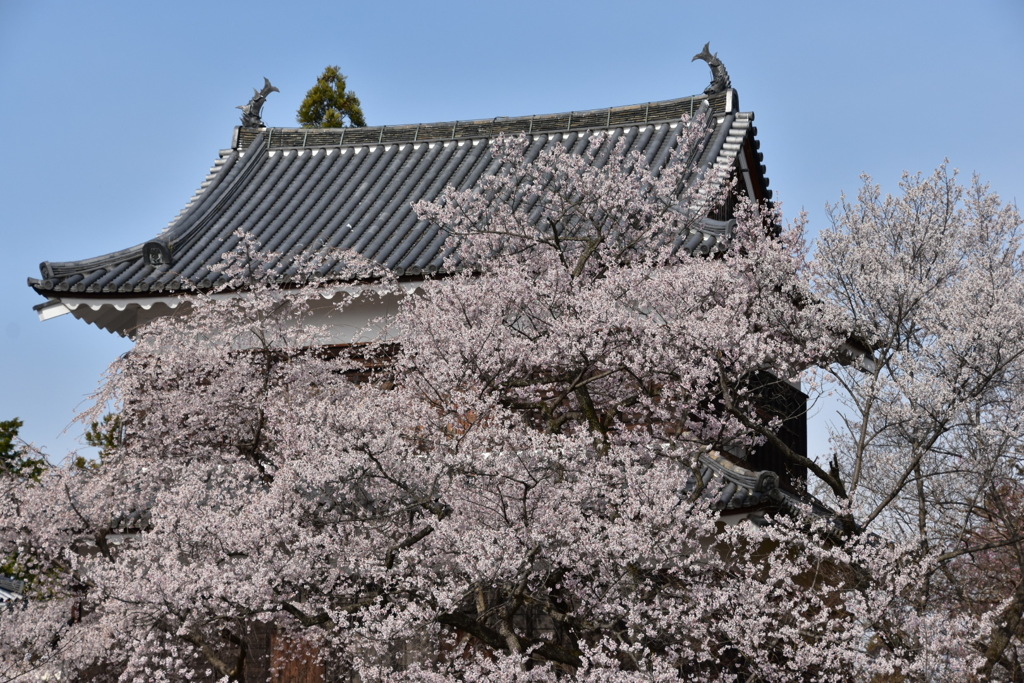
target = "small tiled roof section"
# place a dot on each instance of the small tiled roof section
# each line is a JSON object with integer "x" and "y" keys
{"x": 10, "y": 589}
{"x": 299, "y": 190}
{"x": 736, "y": 488}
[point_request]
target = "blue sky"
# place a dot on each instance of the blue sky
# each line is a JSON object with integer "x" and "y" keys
{"x": 113, "y": 112}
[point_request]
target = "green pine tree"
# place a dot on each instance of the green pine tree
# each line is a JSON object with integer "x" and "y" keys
{"x": 329, "y": 105}
{"x": 106, "y": 435}
{"x": 16, "y": 459}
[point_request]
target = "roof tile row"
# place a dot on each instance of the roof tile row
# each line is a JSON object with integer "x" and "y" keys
{"x": 300, "y": 190}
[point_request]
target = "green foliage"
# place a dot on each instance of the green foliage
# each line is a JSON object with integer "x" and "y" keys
{"x": 106, "y": 435}
{"x": 16, "y": 459}
{"x": 329, "y": 105}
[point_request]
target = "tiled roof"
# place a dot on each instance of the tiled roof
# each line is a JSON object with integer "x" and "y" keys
{"x": 297, "y": 190}
{"x": 734, "y": 488}
{"x": 10, "y": 589}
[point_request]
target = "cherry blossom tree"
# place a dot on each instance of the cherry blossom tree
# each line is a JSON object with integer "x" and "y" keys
{"x": 932, "y": 282}
{"x": 505, "y": 485}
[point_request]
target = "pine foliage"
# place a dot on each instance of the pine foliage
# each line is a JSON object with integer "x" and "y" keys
{"x": 329, "y": 104}
{"x": 16, "y": 458}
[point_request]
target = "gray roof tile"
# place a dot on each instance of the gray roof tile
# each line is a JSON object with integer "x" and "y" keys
{"x": 735, "y": 488}
{"x": 297, "y": 190}
{"x": 10, "y": 589}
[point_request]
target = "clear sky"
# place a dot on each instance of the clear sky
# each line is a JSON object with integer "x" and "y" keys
{"x": 112, "y": 112}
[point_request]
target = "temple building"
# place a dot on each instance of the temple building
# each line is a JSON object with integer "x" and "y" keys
{"x": 298, "y": 191}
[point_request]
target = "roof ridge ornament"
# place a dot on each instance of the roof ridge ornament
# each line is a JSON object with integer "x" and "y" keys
{"x": 719, "y": 76}
{"x": 254, "y": 108}
{"x": 156, "y": 253}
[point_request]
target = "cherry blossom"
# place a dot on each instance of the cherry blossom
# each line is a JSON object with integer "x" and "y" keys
{"x": 504, "y": 484}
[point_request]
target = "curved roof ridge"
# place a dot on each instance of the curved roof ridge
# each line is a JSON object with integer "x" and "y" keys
{"x": 588, "y": 119}
{"x": 221, "y": 168}
{"x": 298, "y": 189}
{"x": 226, "y": 156}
